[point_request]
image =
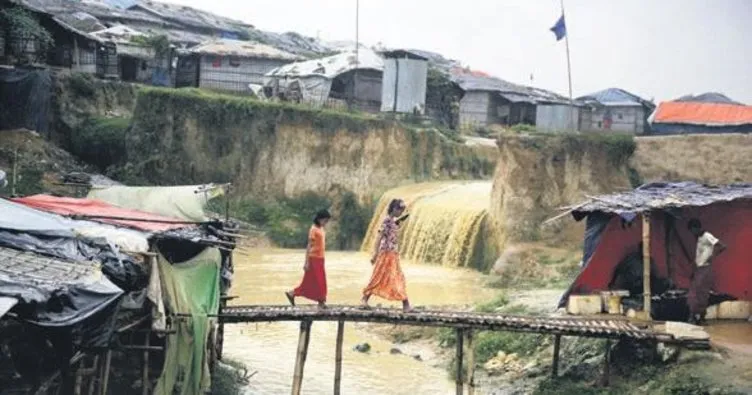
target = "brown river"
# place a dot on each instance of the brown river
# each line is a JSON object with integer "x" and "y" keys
{"x": 261, "y": 277}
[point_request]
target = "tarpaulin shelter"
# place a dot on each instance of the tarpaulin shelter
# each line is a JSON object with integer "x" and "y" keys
{"x": 100, "y": 211}
{"x": 614, "y": 229}
{"x": 184, "y": 202}
{"x": 28, "y": 229}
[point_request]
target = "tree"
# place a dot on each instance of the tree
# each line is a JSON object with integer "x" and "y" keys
{"x": 20, "y": 27}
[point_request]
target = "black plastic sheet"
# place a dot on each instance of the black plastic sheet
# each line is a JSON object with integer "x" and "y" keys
{"x": 25, "y": 97}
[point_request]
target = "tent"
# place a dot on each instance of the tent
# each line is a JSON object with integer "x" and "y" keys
{"x": 614, "y": 230}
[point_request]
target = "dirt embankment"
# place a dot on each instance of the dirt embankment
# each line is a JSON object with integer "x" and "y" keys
{"x": 538, "y": 174}
{"x": 269, "y": 149}
{"x": 712, "y": 159}
{"x": 79, "y": 97}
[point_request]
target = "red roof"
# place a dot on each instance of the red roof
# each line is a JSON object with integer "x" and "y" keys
{"x": 96, "y": 208}
{"x": 712, "y": 114}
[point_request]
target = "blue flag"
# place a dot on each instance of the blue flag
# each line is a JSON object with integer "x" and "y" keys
{"x": 560, "y": 28}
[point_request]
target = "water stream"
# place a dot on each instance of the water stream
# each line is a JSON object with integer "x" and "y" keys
{"x": 261, "y": 277}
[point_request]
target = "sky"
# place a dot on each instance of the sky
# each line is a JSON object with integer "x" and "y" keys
{"x": 658, "y": 49}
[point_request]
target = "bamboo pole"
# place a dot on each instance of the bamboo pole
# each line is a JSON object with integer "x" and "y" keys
{"x": 145, "y": 373}
{"x": 458, "y": 379}
{"x": 470, "y": 364}
{"x": 555, "y": 365}
{"x": 93, "y": 375}
{"x": 646, "y": 264}
{"x": 106, "y": 373}
{"x": 606, "y": 364}
{"x": 338, "y": 358}
{"x": 305, "y": 334}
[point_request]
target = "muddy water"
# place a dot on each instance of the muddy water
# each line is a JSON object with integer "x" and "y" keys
{"x": 261, "y": 276}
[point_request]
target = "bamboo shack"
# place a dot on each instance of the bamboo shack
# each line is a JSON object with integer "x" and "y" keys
{"x": 95, "y": 296}
{"x": 637, "y": 245}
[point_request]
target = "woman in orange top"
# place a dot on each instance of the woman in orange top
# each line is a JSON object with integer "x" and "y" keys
{"x": 313, "y": 286}
{"x": 387, "y": 280}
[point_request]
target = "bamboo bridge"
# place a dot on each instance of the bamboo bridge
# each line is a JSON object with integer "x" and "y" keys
{"x": 612, "y": 328}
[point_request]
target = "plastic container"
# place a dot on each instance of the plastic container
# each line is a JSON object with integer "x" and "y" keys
{"x": 584, "y": 304}
{"x": 734, "y": 310}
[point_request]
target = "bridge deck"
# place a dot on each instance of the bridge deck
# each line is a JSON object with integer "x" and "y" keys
{"x": 565, "y": 326}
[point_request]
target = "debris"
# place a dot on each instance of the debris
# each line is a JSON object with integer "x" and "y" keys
{"x": 395, "y": 351}
{"x": 362, "y": 348}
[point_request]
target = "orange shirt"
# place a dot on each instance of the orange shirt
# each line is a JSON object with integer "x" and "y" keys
{"x": 316, "y": 242}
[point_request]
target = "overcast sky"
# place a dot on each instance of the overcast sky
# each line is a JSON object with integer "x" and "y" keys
{"x": 658, "y": 49}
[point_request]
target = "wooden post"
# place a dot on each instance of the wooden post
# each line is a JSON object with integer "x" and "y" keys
{"x": 646, "y": 264}
{"x": 145, "y": 373}
{"x": 458, "y": 379}
{"x": 470, "y": 364}
{"x": 14, "y": 176}
{"x": 606, "y": 364}
{"x": 555, "y": 364}
{"x": 338, "y": 357}
{"x": 93, "y": 375}
{"x": 305, "y": 334}
{"x": 668, "y": 223}
{"x": 105, "y": 373}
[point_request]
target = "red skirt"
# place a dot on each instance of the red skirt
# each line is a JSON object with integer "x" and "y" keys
{"x": 313, "y": 286}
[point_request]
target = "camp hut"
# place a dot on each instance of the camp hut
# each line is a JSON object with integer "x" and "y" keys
{"x": 657, "y": 215}
{"x": 52, "y": 248}
{"x": 404, "y": 85}
{"x": 347, "y": 77}
{"x": 617, "y": 110}
{"x": 693, "y": 117}
{"x": 229, "y": 65}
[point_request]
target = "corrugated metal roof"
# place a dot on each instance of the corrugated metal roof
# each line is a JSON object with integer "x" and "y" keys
{"x": 470, "y": 80}
{"x": 706, "y": 114}
{"x": 660, "y": 196}
{"x": 245, "y": 49}
{"x": 191, "y": 16}
{"x": 709, "y": 97}
{"x": 332, "y": 66}
{"x": 617, "y": 97}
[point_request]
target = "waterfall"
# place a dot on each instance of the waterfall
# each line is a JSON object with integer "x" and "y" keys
{"x": 448, "y": 224}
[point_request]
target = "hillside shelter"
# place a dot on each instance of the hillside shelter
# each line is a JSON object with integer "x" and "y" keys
{"x": 345, "y": 77}
{"x": 653, "y": 219}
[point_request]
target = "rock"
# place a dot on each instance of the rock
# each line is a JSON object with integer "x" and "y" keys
{"x": 418, "y": 358}
{"x": 511, "y": 358}
{"x": 667, "y": 353}
{"x": 395, "y": 351}
{"x": 363, "y": 348}
{"x": 501, "y": 355}
{"x": 510, "y": 257}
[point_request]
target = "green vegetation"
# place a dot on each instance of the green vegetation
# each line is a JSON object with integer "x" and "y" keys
{"x": 217, "y": 111}
{"x": 352, "y": 222}
{"x": 287, "y": 220}
{"x": 19, "y": 27}
{"x": 160, "y": 43}
{"x": 83, "y": 84}
{"x": 443, "y": 95}
{"x": 101, "y": 141}
{"x": 494, "y": 305}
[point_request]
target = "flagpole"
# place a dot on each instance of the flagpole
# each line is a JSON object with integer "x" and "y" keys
{"x": 569, "y": 73}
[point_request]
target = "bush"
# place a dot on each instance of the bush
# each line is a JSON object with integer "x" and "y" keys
{"x": 101, "y": 141}
{"x": 494, "y": 305}
{"x": 83, "y": 85}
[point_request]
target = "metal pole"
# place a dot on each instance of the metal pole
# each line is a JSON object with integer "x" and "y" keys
{"x": 357, "y": 32}
{"x": 569, "y": 73}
